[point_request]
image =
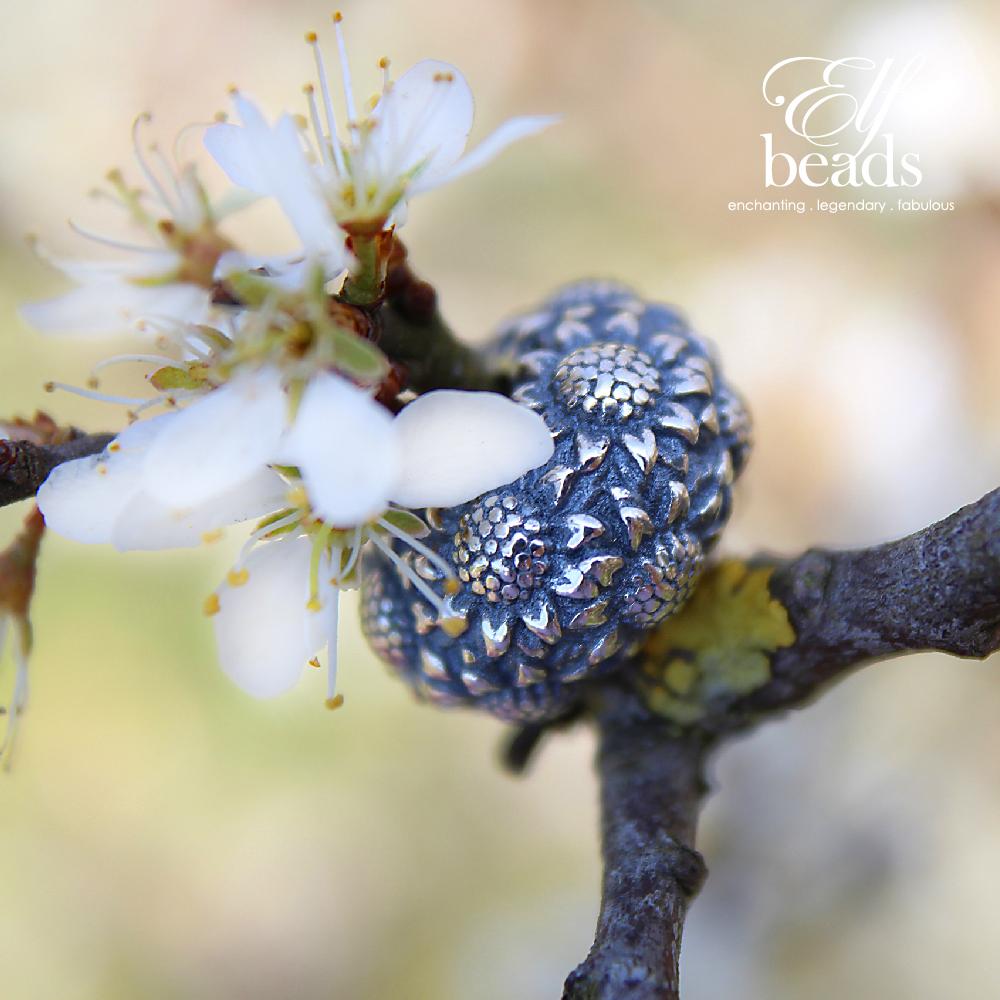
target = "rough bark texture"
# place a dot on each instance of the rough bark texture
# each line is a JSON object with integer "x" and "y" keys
{"x": 651, "y": 789}
{"x": 938, "y": 589}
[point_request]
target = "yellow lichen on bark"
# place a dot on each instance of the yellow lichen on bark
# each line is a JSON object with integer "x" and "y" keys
{"x": 718, "y": 644}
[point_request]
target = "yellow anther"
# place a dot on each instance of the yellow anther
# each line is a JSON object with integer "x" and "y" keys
{"x": 313, "y": 604}
{"x": 452, "y": 586}
{"x": 210, "y": 537}
{"x": 311, "y": 37}
{"x": 314, "y": 662}
{"x": 337, "y": 17}
{"x": 298, "y": 497}
{"x": 49, "y": 387}
{"x": 211, "y": 605}
{"x": 453, "y": 627}
{"x": 102, "y": 469}
{"x": 335, "y": 702}
{"x": 237, "y": 577}
{"x": 93, "y": 382}
{"x": 115, "y": 446}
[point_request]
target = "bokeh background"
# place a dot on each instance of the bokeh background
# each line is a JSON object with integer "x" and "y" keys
{"x": 163, "y": 836}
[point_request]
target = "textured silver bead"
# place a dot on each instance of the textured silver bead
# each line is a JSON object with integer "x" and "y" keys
{"x": 562, "y": 571}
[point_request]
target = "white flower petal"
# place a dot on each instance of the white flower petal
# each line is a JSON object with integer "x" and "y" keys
{"x": 81, "y": 503}
{"x": 83, "y": 499}
{"x": 143, "y": 264}
{"x": 146, "y": 523}
{"x": 232, "y": 148}
{"x": 295, "y": 187}
{"x": 218, "y": 441}
{"x": 271, "y": 160}
{"x": 263, "y": 629}
{"x": 510, "y": 132}
{"x": 426, "y": 116}
{"x": 110, "y": 306}
{"x": 345, "y": 445}
{"x": 232, "y": 201}
{"x": 456, "y": 445}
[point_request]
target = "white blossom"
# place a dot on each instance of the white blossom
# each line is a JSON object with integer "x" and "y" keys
{"x": 364, "y": 170}
{"x": 346, "y": 467}
{"x": 160, "y": 278}
{"x": 272, "y": 379}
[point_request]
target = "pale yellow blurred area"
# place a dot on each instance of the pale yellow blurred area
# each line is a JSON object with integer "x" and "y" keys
{"x": 163, "y": 836}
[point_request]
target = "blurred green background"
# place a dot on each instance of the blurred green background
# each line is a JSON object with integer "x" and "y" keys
{"x": 162, "y": 835}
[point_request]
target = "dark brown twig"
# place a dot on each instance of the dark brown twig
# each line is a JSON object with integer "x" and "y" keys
{"x": 415, "y": 335}
{"x": 651, "y": 790}
{"x": 936, "y": 589}
{"x": 24, "y": 465}
{"x": 522, "y": 743}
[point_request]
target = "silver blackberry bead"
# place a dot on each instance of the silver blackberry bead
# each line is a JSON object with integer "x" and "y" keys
{"x": 562, "y": 572}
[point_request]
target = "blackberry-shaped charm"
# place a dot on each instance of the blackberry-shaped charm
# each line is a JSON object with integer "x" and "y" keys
{"x": 561, "y": 572}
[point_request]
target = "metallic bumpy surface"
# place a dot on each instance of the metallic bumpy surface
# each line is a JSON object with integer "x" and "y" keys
{"x": 563, "y": 570}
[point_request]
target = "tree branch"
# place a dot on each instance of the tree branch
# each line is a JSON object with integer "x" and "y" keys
{"x": 414, "y": 333}
{"x": 24, "y": 465}
{"x": 937, "y": 589}
{"x": 651, "y": 790}
{"x": 812, "y": 619}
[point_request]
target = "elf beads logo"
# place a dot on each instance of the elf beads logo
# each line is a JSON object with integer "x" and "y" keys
{"x": 839, "y": 106}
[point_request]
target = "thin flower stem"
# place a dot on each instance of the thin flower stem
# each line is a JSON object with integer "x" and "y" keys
{"x": 415, "y": 335}
{"x": 365, "y": 285}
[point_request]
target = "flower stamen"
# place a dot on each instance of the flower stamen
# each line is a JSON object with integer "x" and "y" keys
{"x": 332, "y": 144}
{"x": 345, "y": 70}
{"x": 150, "y": 359}
{"x": 407, "y": 571}
{"x": 417, "y": 545}
{"x": 101, "y": 397}
{"x": 333, "y": 700}
{"x": 354, "y": 556}
{"x": 321, "y": 543}
{"x": 154, "y": 181}
{"x": 109, "y": 241}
